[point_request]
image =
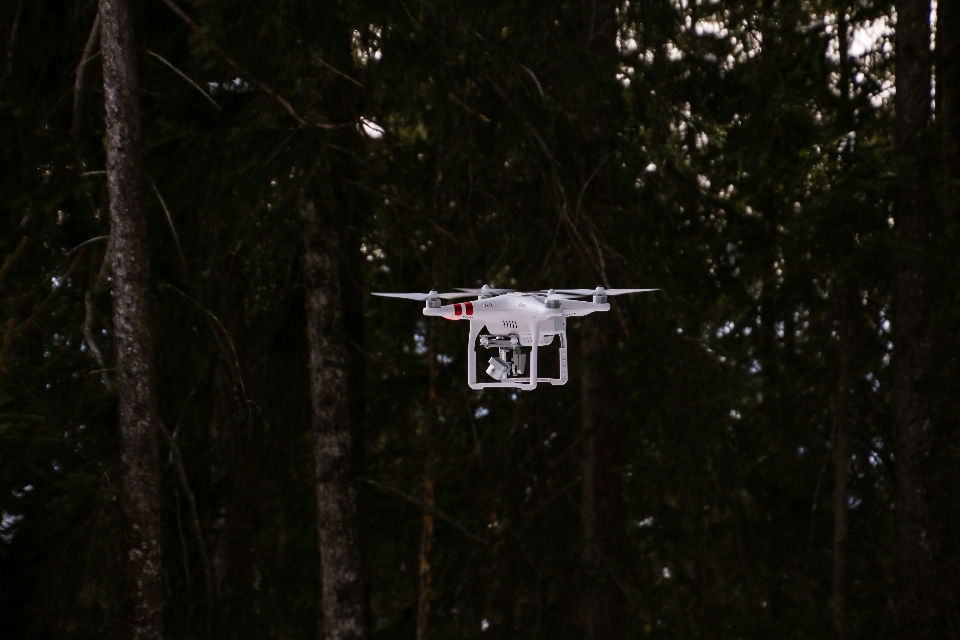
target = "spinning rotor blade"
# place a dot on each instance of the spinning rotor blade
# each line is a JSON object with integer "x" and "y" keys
{"x": 620, "y": 292}
{"x": 553, "y": 295}
{"x": 485, "y": 290}
{"x": 422, "y": 296}
{"x": 604, "y": 292}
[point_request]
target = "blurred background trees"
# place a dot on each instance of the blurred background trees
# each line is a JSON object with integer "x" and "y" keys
{"x": 721, "y": 463}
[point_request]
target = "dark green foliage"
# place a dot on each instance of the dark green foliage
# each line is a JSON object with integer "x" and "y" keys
{"x": 749, "y": 189}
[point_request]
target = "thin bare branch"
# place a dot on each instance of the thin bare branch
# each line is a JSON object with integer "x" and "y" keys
{"x": 183, "y": 16}
{"x": 411, "y": 208}
{"x": 185, "y": 77}
{"x": 320, "y": 61}
{"x": 233, "y": 63}
{"x": 88, "y": 54}
{"x": 87, "y": 61}
{"x": 100, "y": 282}
{"x": 91, "y": 342}
{"x": 576, "y": 213}
{"x": 563, "y": 204}
{"x": 186, "y": 561}
{"x": 6, "y": 345}
{"x": 472, "y": 112}
{"x": 532, "y": 76}
{"x": 606, "y": 283}
{"x": 12, "y": 258}
{"x": 106, "y": 266}
{"x": 11, "y": 43}
{"x": 194, "y": 518}
{"x": 543, "y": 503}
{"x": 233, "y": 349}
{"x": 410, "y": 15}
{"x": 86, "y": 242}
{"x": 437, "y": 512}
{"x": 173, "y": 230}
{"x": 596, "y": 261}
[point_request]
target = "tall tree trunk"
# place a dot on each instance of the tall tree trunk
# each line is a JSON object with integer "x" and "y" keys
{"x": 842, "y": 460}
{"x": 140, "y": 470}
{"x": 914, "y": 208}
{"x": 602, "y": 509}
{"x": 842, "y": 419}
{"x": 601, "y": 486}
{"x": 342, "y": 599}
{"x": 426, "y": 537}
{"x": 232, "y": 542}
{"x": 948, "y": 92}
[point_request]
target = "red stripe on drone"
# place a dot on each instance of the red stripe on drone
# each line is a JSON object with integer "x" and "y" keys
{"x": 469, "y": 308}
{"x": 457, "y": 309}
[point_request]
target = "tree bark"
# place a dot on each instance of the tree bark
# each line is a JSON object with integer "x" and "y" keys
{"x": 841, "y": 461}
{"x": 601, "y": 486}
{"x": 913, "y": 210}
{"x": 426, "y": 537}
{"x": 948, "y": 95}
{"x": 342, "y": 598}
{"x": 140, "y": 469}
{"x": 602, "y": 509}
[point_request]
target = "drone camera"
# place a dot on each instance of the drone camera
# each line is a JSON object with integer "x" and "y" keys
{"x": 511, "y": 361}
{"x": 498, "y": 369}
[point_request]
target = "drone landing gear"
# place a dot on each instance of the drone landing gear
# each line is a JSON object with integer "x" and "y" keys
{"x": 511, "y": 363}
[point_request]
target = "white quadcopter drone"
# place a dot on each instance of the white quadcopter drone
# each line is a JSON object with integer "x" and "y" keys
{"x": 514, "y": 319}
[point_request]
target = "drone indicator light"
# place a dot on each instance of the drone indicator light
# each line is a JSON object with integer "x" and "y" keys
{"x": 457, "y": 309}
{"x": 469, "y": 307}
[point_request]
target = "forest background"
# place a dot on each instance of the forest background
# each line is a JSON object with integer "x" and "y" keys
{"x": 742, "y": 454}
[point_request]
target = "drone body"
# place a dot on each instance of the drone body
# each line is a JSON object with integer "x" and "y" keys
{"x": 515, "y": 320}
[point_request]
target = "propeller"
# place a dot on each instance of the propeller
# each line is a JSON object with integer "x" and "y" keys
{"x": 553, "y": 295}
{"x": 485, "y": 290}
{"x": 424, "y": 296}
{"x": 600, "y": 291}
{"x": 553, "y": 298}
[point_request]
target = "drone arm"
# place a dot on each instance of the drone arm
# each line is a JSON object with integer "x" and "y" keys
{"x": 575, "y": 308}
